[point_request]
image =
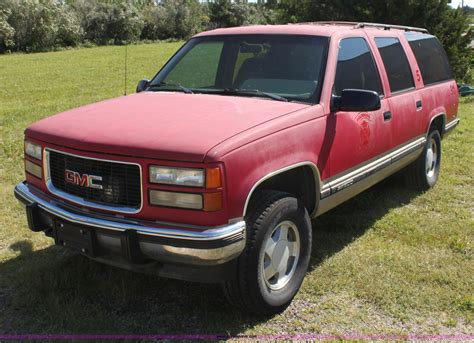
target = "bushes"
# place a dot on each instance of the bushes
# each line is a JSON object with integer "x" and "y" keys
{"x": 70, "y": 32}
{"x": 30, "y": 25}
{"x": 224, "y": 13}
{"x": 40, "y": 25}
{"x": 108, "y": 22}
{"x": 6, "y": 31}
{"x": 176, "y": 19}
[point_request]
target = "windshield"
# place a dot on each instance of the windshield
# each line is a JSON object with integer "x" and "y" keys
{"x": 288, "y": 67}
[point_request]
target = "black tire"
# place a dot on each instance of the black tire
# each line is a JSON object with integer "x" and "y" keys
{"x": 249, "y": 290}
{"x": 416, "y": 175}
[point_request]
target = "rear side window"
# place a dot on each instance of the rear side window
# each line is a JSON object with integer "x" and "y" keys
{"x": 356, "y": 67}
{"x": 431, "y": 57}
{"x": 396, "y": 64}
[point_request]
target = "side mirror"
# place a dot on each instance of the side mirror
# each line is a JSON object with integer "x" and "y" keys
{"x": 356, "y": 100}
{"x": 142, "y": 85}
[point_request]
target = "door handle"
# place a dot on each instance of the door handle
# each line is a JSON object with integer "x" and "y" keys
{"x": 419, "y": 105}
{"x": 387, "y": 115}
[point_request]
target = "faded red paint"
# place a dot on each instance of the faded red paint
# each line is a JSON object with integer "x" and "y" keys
{"x": 364, "y": 119}
{"x": 247, "y": 138}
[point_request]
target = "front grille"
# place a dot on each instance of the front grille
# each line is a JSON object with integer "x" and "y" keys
{"x": 121, "y": 183}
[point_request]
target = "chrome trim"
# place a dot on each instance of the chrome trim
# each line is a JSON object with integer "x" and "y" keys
{"x": 346, "y": 180}
{"x": 390, "y": 26}
{"x": 33, "y": 195}
{"x": 433, "y": 118}
{"x": 234, "y": 232}
{"x": 317, "y": 179}
{"x": 368, "y": 180}
{"x": 451, "y": 125}
{"x": 361, "y": 25}
{"x": 192, "y": 256}
{"x": 81, "y": 201}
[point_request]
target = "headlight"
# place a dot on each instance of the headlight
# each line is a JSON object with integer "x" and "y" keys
{"x": 173, "y": 199}
{"x": 33, "y": 150}
{"x": 177, "y": 176}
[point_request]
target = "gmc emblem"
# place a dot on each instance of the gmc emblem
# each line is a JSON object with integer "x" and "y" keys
{"x": 83, "y": 180}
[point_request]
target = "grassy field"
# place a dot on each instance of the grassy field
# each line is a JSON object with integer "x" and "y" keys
{"x": 389, "y": 261}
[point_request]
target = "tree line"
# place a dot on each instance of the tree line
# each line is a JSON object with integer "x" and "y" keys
{"x": 42, "y": 25}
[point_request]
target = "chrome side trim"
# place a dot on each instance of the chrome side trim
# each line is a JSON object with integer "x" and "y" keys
{"x": 84, "y": 202}
{"x": 361, "y": 185}
{"x": 451, "y": 125}
{"x": 431, "y": 122}
{"x": 366, "y": 170}
{"x": 30, "y": 194}
{"x": 317, "y": 179}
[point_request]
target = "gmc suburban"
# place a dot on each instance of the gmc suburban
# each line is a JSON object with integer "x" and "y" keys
{"x": 214, "y": 169}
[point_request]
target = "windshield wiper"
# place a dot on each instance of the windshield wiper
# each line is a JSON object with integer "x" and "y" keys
{"x": 255, "y": 92}
{"x": 163, "y": 84}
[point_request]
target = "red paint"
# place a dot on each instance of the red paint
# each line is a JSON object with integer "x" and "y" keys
{"x": 247, "y": 138}
{"x": 364, "y": 120}
{"x": 171, "y": 126}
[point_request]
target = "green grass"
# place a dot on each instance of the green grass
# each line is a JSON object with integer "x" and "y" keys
{"x": 389, "y": 261}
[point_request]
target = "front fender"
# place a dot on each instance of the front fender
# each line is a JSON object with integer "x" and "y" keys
{"x": 253, "y": 163}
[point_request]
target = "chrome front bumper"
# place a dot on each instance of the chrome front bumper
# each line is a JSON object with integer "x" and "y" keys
{"x": 133, "y": 239}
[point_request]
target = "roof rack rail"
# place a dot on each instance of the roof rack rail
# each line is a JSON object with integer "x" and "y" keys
{"x": 348, "y": 23}
{"x": 390, "y": 26}
{"x": 360, "y": 25}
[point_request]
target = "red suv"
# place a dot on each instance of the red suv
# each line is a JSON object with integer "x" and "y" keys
{"x": 214, "y": 169}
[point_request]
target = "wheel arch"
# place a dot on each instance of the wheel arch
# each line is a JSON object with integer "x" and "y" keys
{"x": 275, "y": 180}
{"x": 439, "y": 121}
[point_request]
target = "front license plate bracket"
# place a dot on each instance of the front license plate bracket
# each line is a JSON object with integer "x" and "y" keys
{"x": 76, "y": 237}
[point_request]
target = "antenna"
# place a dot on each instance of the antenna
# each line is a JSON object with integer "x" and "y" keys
{"x": 125, "y": 72}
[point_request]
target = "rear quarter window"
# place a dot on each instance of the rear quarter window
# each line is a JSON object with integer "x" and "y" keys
{"x": 431, "y": 57}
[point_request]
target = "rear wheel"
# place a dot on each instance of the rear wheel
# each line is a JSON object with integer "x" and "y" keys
{"x": 271, "y": 268}
{"x": 424, "y": 172}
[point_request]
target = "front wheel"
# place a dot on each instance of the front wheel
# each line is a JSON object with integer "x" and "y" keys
{"x": 424, "y": 172}
{"x": 272, "y": 267}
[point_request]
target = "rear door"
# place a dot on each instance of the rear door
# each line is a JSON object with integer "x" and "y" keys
{"x": 406, "y": 105}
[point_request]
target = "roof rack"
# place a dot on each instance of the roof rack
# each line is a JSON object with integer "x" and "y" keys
{"x": 360, "y": 25}
{"x": 389, "y": 26}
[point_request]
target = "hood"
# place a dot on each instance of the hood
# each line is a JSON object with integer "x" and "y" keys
{"x": 158, "y": 125}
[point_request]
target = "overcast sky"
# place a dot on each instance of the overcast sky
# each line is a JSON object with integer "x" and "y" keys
{"x": 456, "y": 3}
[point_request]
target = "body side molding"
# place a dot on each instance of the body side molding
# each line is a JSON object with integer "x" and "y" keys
{"x": 351, "y": 183}
{"x": 451, "y": 125}
{"x": 368, "y": 169}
